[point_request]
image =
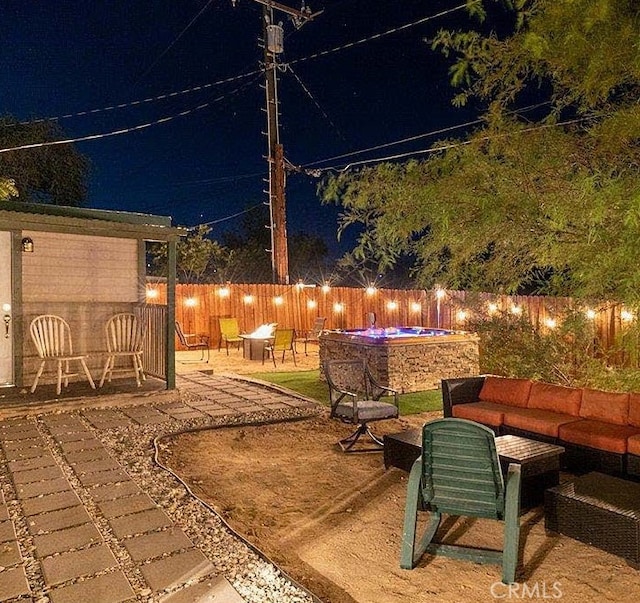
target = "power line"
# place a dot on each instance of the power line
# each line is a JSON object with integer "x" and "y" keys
{"x": 219, "y": 220}
{"x": 121, "y": 131}
{"x": 454, "y": 145}
{"x": 315, "y": 102}
{"x": 396, "y": 142}
{"x": 384, "y": 34}
{"x": 236, "y": 77}
{"x": 424, "y": 135}
{"x": 175, "y": 40}
{"x": 143, "y": 101}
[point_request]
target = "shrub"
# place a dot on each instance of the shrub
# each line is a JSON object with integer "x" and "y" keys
{"x": 510, "y": 345}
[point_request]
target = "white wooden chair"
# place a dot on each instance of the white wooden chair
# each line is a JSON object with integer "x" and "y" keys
{"x": 52, "y": 337}
{"x": 124, "y": 340}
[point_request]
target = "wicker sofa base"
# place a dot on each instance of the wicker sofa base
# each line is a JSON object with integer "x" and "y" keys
{"x": 599, "y": 510}
{"x": 580, "y": 459}
{"x": 633, "y": 465}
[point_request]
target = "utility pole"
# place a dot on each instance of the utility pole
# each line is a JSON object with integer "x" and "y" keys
{"x": 273, "y": 46}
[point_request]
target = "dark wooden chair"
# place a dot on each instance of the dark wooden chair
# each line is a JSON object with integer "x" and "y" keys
{"x": 356, "y": 398}
{"x": 459, "y": 473}
{"x": 192, "y": 341}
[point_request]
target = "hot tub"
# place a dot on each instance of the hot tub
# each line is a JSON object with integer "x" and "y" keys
{"x": 407, "y": 359}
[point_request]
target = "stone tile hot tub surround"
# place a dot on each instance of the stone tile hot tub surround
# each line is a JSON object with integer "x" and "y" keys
{"x": 403, "y": 361}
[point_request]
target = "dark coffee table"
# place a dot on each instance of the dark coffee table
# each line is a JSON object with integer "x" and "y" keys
{"x": 539, "y": 461}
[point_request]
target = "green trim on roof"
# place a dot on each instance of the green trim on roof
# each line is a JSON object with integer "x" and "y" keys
{"x": 86, "y": 213}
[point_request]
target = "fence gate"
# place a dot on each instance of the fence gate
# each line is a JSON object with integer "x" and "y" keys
{"x": 154, "y": 321}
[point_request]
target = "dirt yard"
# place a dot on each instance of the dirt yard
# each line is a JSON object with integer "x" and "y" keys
{"x": 334, "y": 522}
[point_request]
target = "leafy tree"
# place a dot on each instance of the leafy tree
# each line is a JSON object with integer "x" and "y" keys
{"x": 55, "y": 174}
{"x": 308, "y": 257}
{"x": 195, "y": 255}
{"x": 551, "y": 204}
{"x": 250, "y": 261}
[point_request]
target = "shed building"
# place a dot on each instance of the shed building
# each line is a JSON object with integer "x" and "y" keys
{"x": 83, "y": 265}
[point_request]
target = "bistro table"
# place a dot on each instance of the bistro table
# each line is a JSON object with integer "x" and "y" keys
{"x": 539, "y": 461}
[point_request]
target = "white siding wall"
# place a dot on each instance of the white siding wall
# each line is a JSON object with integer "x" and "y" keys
{"x": 79, "y": 268}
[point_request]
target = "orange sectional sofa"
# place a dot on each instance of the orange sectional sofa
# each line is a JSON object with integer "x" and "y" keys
{"x": 599, "y": 430}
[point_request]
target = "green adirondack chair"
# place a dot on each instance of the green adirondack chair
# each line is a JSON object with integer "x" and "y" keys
{"x": 459, "y": 474}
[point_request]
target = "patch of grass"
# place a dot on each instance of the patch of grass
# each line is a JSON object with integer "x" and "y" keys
{"x": 416, "y": 402}
{"x": 308, "y": 383}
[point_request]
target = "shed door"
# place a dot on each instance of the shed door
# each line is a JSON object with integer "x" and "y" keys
{"x": 6, "y": 330}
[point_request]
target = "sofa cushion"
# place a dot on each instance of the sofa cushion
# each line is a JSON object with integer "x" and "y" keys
{"x": 487, "y": 413}
{"x": 505, "y": 390}
{"x": 609, "y": 407}
{"x": 598, "y": 435}
{"x": 633, "y": 445}
{"x": 547, "y": 396}
{"x": 634, "y": 410}
{"x": 534, "y": 420}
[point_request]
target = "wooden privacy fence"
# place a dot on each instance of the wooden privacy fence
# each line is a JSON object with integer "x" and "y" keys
{"x": 198, "y": 308}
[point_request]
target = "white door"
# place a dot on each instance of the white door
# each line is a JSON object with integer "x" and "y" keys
{"x": 6, "y": 326}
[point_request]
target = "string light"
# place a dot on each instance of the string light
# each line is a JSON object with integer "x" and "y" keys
{"x": 326, "y": 288}
{"x": 191, "y": 302}
{"x": 626, "y": 316}
{"x": 338, "y": 307}
{"x": 371, "y": 290}
{"x": 416, "y": 307}
{"x": 591, "y": 314}
{"x": 517, "y": 310}
{"x": 461, "y": 315}
{"x": 440, "y": 293}
{"x": 311, "y": 304}
{"x": 278, "y": 300}
{"x": 492, "y": 308}
{"x": 551, "y": 323}
{"x": 248, "y": 299}
{"x": 152, "y": 293}
{"x": 224, "y": 292}
{"x": 392, "y": 305}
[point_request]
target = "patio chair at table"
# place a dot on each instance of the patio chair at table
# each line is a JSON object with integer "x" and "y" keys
{"x": 124, "y": 340}
{"x": 51, "y": 335}
{"x": 282, "y": 342}
{"x": 355, "y": 397}
{"x": 192, "y": 341}
{"x": 459, "y": 473}
{"x": 312, "y": 335}
{"x": 229, "y": 333}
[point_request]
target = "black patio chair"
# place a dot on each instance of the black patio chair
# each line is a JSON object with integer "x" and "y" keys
{"x": 356, "y": 398}
{"x": 192, "y": 341}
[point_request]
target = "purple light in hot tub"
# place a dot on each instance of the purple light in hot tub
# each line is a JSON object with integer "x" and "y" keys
{"x": 380, "y": 333}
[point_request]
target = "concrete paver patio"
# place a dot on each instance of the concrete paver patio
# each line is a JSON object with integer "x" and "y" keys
{"x": 75, "y": 525}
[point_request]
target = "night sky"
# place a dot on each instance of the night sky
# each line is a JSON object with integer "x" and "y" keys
{"x": 72, "y": 56}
